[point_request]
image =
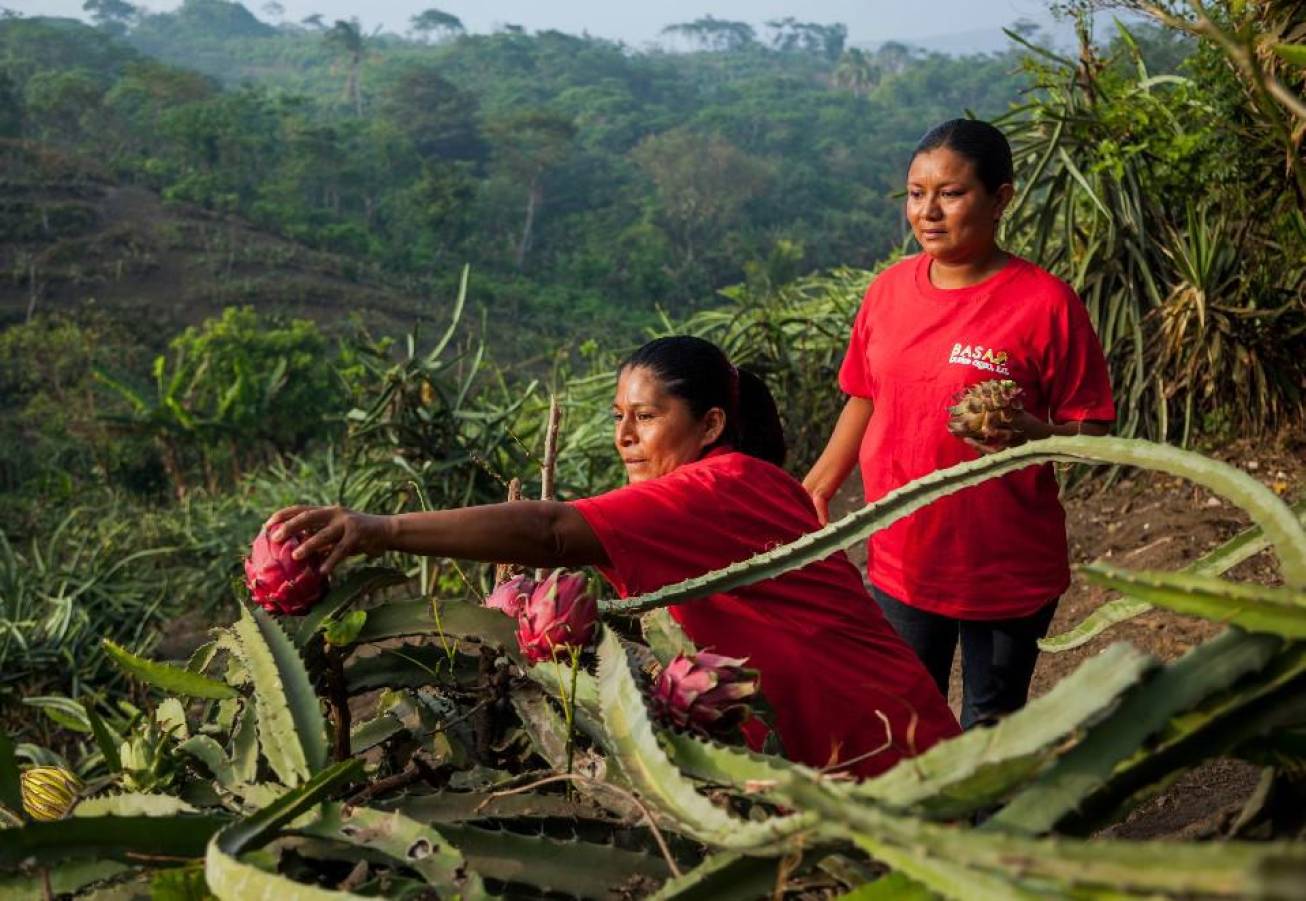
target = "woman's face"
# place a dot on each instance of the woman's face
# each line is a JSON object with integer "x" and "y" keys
{"x": 655, "y": 430}
{"x": 954, "y": 216}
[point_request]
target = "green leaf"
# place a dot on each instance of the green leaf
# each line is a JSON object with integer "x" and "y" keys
{"x": 64, "y": 711}
{"x": 726, "y": 876}
{"x": 172, "y": 679}
{"x": 371, "y": 733}
{"x": 634, "y": 745}
{"x": 132, "y": 804}
{"x": 1279, "y": 524}
{"x": 984, "y": 765}
{"x": 290, "y": 725}
{"x": 577, "y": 868}
{"x": 116, "y": 838}
{"x": 457, "y": 621}
{"x": 1243, "y": 546}
{"x": 358, "y": 583}
{"x": 1292, "y": 53}
{"x": 105, "y": 740}
{"x": 63, "y": 880}
{"x": 211, "y": 754}
{"x": 1256, "y": 608}
{"x": 257, "y": 829}
{"x": 404, "y": 840}
{"x": 890, "y": 887}
{"x": 664, "y": 636}
{"x": 1144, "y": 711}
{"x": 344, "y": 631}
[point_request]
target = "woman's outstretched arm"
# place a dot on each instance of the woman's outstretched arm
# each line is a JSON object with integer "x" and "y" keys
{"x": 839, "y": 456}
{"x": 531, "y": 533}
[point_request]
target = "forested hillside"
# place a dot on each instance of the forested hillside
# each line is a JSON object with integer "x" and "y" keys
{"x": 585, "y": 183}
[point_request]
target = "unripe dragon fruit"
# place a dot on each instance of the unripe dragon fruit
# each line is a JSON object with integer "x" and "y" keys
{"x": 277, "y": 581}
{"x": 704, "y": 692}
{"x": 560, "y": 614}
{"x": 511, "y": 596}
{"x": 48, "y": 792}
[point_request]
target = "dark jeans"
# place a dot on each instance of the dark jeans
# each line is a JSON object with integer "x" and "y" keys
{"x": 997, "y": 656}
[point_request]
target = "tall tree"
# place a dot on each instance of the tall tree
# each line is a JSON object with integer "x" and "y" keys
{"x": 529, "y": 145}
{"x": 110, "y": 15}
{"x": 439, "y": 117}
{"x": 346, "y": 37}
{"x": 703, "y": 182}
{"x": 436, "y": 22}
{"x": 856, "y": 72}
{"x": 790, "y": 35}
{"x": 715, "y": 34}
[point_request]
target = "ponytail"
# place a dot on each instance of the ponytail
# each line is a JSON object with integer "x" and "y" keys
{"x": 699, "y": 373}
{"x": 759, "y": 431}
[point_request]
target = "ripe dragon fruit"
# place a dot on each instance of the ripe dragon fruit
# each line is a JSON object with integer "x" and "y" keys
{"x": 511, "y": 596}
{"x": 704, "y": 692}
{"x": 560, "y": 614}
{"x": 277, "y": 581}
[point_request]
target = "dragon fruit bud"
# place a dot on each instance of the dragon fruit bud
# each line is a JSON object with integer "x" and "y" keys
{"x": 559, "y": 614}
{"x": 277, "y": 581}
{"x": 511, "y": 596}
{"x": 704, "y": 692}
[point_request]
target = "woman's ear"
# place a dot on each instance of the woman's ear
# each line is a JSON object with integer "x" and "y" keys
{"x": 714, "y": 425}
{"x": 1004, "y": 195}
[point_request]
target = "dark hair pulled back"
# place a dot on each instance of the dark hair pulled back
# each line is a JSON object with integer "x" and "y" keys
{"x": 698, "y": 372}
{"x": 983, "y": 144}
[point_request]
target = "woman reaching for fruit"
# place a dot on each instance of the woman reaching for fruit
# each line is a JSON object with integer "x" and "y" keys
{"x": 968, "y": 329}
{"x": 702, "y": 446}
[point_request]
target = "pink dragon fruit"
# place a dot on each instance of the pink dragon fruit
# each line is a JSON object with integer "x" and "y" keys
{"x": 511, "y": 596}
{"x": 277, "y": 581}
{"x": 559, "y": 614}
{"x": 704, "y": 692}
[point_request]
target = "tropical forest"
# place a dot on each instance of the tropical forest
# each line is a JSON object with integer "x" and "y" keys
{"x": 250, "y": 262}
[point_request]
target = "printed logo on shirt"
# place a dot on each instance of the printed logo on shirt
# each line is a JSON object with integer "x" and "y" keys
{"x": 986, "y": 358}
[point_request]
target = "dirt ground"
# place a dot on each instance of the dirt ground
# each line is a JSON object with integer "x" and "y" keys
{"x": 1150, "y": 521}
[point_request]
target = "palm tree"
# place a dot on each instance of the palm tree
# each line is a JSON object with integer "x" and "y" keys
{"x": 347, "y": 38}
{"x": 856, "y": 72}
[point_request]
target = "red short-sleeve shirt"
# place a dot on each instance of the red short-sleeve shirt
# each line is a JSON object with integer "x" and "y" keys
{"x": 998, "y": 549}
{"x": 831, "y": 665}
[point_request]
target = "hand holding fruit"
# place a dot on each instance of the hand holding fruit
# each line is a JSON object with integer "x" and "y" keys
{"x": 331, "y": 532}
{"x": 989, "y": 417}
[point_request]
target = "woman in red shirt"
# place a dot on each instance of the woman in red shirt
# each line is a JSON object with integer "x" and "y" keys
{"x": 983, "y": 567}
{"x": 702, "y": 447}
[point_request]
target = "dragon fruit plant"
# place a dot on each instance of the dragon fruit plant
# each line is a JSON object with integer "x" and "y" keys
{"x": 558, "y": 616}
{"x": 277, "y": 581}
{"x": 704, "y": 692}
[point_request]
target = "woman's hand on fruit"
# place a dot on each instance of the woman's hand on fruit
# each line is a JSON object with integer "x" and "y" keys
{"x": 331, "y": 532}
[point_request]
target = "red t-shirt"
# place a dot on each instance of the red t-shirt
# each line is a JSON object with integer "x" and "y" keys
{"x": 829, "y": 660}
{"x": 998, "y": 549}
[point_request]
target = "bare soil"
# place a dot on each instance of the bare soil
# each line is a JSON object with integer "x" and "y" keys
{"x": 1151, "y": 521}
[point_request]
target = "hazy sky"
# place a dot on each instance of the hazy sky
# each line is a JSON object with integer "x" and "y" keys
{"x": 868, "y": 21}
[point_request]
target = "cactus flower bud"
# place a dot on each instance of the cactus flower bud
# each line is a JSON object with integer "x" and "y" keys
{"x": 277, "y": 581}
{"x": 560, "y": 614}
{"x": 511, "y": 596}
{"x": 49, "y": 792}
{"x": 704, "y": 692}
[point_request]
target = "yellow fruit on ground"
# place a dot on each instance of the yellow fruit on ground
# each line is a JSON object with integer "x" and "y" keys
{"x": 49, "y": 792}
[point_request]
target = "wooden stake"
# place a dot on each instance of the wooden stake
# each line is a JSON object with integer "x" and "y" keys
{"x": 549, "y": 469}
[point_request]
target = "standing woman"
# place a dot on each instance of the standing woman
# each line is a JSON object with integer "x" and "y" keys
{"x": 986, "y": 566}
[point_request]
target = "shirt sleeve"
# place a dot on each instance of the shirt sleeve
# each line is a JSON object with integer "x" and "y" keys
{"x": 854, "y": 374}
{"x": 1076, "y": 378}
